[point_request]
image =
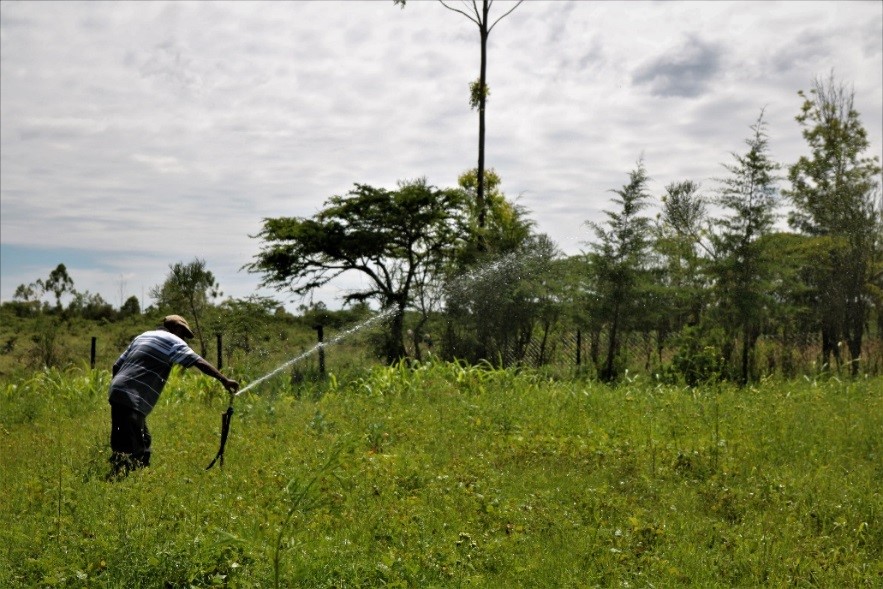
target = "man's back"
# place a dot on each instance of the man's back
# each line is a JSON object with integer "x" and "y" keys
{"x": 141, "y": 371}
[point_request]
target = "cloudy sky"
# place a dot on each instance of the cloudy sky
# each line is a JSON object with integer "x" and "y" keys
{"x": 140, "y": 134}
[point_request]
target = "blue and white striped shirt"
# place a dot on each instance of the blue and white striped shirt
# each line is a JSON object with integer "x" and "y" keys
{"x": 142, "y": 370}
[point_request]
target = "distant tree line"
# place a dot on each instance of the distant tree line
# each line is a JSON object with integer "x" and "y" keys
{"x": 30, "y": 299}
{"x": 704, "y": 279}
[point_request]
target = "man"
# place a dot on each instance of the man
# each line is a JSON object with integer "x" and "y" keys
{"x": 139, "y": 376}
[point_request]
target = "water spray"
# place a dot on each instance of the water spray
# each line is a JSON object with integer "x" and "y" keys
{"x": 228, "y": 414}
{"x": 379, "y": 317}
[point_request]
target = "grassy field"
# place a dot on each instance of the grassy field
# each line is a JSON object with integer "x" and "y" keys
{"x": 448, "y": 476}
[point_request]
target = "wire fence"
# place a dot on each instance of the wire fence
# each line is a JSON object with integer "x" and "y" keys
{"x": 644, "y": 352}
{"x": 566, "y": 349}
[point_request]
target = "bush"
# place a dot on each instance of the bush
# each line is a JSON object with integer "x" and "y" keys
{"x": 697, "y": 359}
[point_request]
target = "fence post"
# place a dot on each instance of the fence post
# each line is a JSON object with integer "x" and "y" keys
{"x": 220, "y": 352}
{"x": 92, "y": 353}
{"x": 320, "y": 333}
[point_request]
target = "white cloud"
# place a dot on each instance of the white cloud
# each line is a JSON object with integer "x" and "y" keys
{"x": 157, "y": 132}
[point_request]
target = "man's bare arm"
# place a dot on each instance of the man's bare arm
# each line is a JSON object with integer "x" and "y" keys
{"x": 209, "y": 370}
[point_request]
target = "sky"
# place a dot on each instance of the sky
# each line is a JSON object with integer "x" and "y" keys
{"x": 134, "y": 135}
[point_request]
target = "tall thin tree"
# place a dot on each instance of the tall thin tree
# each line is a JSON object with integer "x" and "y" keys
{"x": 741, "y": 268}
{"x": 480, "y": 15}
{"x": 619, "y": 263}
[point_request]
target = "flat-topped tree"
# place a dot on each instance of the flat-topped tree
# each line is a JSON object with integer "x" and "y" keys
{"x": 399, "y": 239}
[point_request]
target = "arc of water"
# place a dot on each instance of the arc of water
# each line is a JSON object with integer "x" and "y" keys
{"x": 343, "y": 335}
{"x": 508, "y": 261}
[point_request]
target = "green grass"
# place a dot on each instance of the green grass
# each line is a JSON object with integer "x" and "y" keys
{"x": 445, "y": 476}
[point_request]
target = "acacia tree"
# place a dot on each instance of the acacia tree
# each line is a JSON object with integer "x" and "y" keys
{"x": 742, "y": 267}
{"x": 834, "y": 192}
{"x": 399, "y": 239}
{"x": 188, "y": 286}
{"x": 618, "y": 262}
{"x": 478, "y": 90}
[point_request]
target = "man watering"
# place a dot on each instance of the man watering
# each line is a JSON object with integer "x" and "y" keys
{"x": 139, "y": 376}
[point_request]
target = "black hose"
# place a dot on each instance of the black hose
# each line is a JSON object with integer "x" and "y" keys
{"x": 225, "y": 431}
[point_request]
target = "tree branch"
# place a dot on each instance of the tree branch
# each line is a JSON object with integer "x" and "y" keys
{"x": 508, "y": 12}
{"x": 477, "y": 21}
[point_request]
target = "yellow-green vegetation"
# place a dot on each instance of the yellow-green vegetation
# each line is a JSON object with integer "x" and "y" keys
{"x": 254, "y": 344}
{"x": 444, "y": 476}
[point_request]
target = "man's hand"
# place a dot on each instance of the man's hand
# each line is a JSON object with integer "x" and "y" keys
{"x": 231, "y": 385}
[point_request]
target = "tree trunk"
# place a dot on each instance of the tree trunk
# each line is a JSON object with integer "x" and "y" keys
{"x": 854, "y": 332}
{"x": 609, "y": 372}
{"x": 482, "y": 99}
{"x": 829, "y": 348}
{"x": 395, "y": 346}
{"x": 203, "y": 346}
{"x": 747, "y": 344}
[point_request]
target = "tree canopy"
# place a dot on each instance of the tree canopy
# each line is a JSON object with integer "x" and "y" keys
{"x": 398, "y": 239}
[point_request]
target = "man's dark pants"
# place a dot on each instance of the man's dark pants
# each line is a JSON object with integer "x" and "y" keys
{"x": 129, "y": 440}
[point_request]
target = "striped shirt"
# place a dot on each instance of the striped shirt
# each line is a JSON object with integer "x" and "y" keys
{"x": 142, "y": 370}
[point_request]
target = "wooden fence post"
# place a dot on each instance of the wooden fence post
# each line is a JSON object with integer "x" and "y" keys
{"x": 92, "y": 353}
{"x": 220, "y": 351}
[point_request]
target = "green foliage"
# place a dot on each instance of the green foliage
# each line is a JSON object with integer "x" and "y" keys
{"x": 831, "y": 188}
{"x": 46, "y": 352}
{"x": 27, "y": 300}
{"x": 130, "y": 307}
{"x": 680, "y": 269}
{"x": 698, "y": 359}
{"x": 92, "y": 306}
{"x": 835, "y": 194}
{"x": 506, "y": 227}
{"x": 51, "y": 391}
{"x": 189, "y": 289}
{"x": 478, "y": 94}
{"x": 742, "y": 267}
{"x": 369, "y": 230}
{"x": 59, "y": 283}
{"x": 503, "y": 283}
{"x": 444, "y": 475}
{"x": 749, "y": 192}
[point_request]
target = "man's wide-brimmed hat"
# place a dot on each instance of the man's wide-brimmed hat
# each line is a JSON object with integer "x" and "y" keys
{"x": 177, "y": 320}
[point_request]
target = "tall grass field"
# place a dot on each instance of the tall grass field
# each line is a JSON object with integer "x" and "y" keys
{"x": 443, "y": 475}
